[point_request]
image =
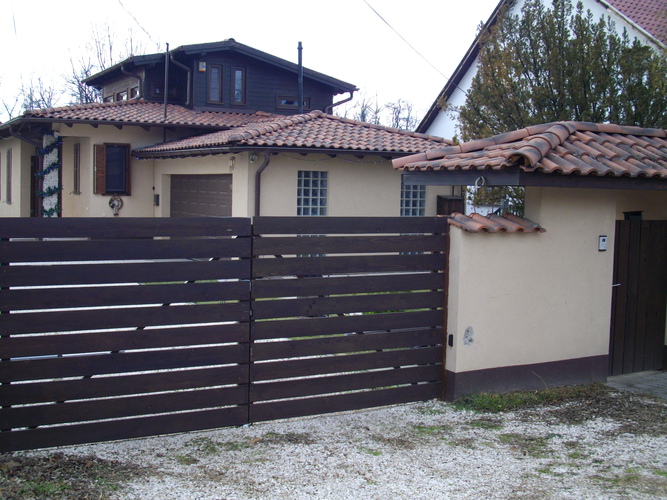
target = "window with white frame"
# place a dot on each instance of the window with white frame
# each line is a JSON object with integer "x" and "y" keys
{"x": 311, "y": 196}
{"x": 413, "y": 200}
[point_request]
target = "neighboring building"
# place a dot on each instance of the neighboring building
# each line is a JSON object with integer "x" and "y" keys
{"x": 529, "y": 308}
{"x": 230, "y": 113}
{"x": 643, "y": 19}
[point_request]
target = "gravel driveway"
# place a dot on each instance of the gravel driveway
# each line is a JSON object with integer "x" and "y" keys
{"x": 610, "y": 445}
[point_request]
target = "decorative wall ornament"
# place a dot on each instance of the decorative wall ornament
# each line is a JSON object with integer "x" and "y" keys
{"x": 116, "y": 203}
{"x": 50, "y": 174}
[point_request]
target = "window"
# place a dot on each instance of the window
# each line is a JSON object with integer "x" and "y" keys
{"x": 112, "y": 169}
{"x": 76, "y": 182}
{"x": 311, "y": 196}
{"x": 215, "y": 83}
{"x": 239, "y": 86}
{"x": 121, "y": 96}
{"x": 413, "y": 200}
{"x": 285, "y": 102}
{"x": 8, "y": 177}
{"x": 134, "y": 92}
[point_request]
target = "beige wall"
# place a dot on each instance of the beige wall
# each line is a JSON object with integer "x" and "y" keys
{"x": 652, "y": 204}
{"x": 138, "y": 204}
{"x": 537, "y": 297}
{"x": 20, "y": 178}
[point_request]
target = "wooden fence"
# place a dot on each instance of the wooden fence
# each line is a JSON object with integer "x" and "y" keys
{"x": 121, "y": 328}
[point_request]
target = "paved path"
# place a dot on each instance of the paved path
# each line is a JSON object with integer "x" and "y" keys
{"x": 654, "y": 383}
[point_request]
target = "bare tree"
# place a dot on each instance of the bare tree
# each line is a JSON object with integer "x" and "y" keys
{"x": 401, "y": 115}
{"x": 37, "y": 94}
{"x": 79, "y": 92}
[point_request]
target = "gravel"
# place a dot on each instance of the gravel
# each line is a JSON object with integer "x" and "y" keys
{"x": 612, "y": 445}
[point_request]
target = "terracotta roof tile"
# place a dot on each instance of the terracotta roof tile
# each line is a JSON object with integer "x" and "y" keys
{"x": 145, "y": 113}
{"x": 651, "y": 15}
{"x": 563, "y": 147}
{"x": 509, "y": 223}
{"x": 314, "y": 130}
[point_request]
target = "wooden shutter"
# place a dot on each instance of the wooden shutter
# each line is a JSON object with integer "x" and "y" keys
{"x": 100, "y": 176}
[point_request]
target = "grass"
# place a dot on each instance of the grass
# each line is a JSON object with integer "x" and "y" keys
{"x": 498, "y": 403}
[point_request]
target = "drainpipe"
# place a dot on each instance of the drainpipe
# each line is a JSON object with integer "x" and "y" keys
{"x": 165, "y": 91}
{"x": 300, "y": 49}
{"x": 328, "y": 110}
{"x": 138, "y": 77}
{"x": 184, "y": 67}
{"x": 258, "y": 180}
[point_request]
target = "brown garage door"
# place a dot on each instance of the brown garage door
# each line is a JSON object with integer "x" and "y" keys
{"x": 201, "y": 195}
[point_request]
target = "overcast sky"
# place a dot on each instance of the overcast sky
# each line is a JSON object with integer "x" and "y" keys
{"x": 344, "y": 39}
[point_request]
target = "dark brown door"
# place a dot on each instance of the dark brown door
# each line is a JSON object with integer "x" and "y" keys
{"x": 201, "y": 195}
{"x": 639, "y": 297}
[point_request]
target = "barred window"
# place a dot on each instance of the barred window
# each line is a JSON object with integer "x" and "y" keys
{"x": 311, "y": 196}
{"x": 413, "y": 200}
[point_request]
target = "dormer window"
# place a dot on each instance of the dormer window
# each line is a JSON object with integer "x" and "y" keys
{"x": 239, "y": 86}
{"x": 215, "y": 84}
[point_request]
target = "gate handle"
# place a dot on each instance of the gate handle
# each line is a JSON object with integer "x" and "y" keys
{"x": 616, "y": 284}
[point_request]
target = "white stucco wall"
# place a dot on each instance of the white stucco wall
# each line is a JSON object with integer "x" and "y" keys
{"x": 537, "y": 297}
{"x": 19, "y": 204}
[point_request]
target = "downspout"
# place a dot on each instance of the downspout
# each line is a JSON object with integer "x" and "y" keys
{"x": 138, "y": 77}
{"x": 165, "y": 91}
{"x": 258, "y": 180}
{"x": 184, "y": 67}
{"x": 328, "y": 110}
{"x": 300, "y": 49}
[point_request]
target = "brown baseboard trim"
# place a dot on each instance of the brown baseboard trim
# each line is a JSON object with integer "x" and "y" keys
{"x": 526, "y": 377}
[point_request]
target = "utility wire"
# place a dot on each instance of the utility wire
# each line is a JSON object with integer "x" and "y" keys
{"x": 138, "y": 24}
{"x": 402, "y": 38}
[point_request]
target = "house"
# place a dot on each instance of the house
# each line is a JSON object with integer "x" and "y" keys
{"x": 577, "y": 290}
{"x": 643, "y": 19}
{"x": 225, "y": 135}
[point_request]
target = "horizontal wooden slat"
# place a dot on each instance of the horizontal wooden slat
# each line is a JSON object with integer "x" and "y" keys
{"x": 47, "y": 298}
{"x": 123, "y": 429}
{"x": 31, "y": 416}
{"x": 345, "y": 363}
{"x": 329, "y": 384}
{"x": 134, "y": 227}
{"x": 75, "y": 250}
{"x": 345, "y": 344}
{"x": 307, "y": 327}
{"x": 316, "y": 266}
{"x": 122, "y": 362}
{"x": 321, "y": 306}
{"x": 44, "y": 345}
{"x": 348, "y": 225}
{"x": 349, "y": 244}
{"x": 45, "y": 391}
{"x": 97, "y": 319}
{"x": 143, "y": 272}
{"x": 304, "y": 287}
{"x": 261, "y": 412}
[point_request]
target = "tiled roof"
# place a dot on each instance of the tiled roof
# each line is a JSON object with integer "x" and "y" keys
{"x": 651, "y": 15}
{"x": 314, "y": 130}
{"x": 585, "y": 149}
{"x": 509, "y": 223}
{"x": 141, "y": 112}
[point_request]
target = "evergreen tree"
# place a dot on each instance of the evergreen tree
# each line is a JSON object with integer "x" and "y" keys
{"x": 559, "y": 63}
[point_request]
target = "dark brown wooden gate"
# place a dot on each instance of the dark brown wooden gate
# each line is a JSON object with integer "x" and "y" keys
{"x": 121, "y": 328}
{"x": 639, "y": 297}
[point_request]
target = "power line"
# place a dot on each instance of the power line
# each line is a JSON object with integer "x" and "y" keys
{"x": 138, "y": 24}
{"x": 402, "y": 38}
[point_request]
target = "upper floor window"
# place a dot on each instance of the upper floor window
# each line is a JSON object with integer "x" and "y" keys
{"x": 239, "y": 85}
{"x": 215, "y": 83}
{"x": 311, "y": 196}
{"x": 121, "y": 96}
{"x": 112, "y": 169}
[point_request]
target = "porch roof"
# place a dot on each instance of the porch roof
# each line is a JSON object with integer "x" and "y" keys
{"x": 568, "y": 151}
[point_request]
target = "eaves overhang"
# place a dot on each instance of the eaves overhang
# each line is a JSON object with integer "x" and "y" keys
{"x": 239, "y": 148}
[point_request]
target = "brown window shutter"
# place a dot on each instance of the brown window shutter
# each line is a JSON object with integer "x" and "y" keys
{"x": 100, "y": 169}
{"x": 128, "y": 171}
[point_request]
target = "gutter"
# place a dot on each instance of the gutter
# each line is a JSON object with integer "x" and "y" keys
{"x": 329, "y": 109}
{"x": 189, "y": 72}
{"x": 258, "y": 180}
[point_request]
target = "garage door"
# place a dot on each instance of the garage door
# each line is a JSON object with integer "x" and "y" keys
{"x": 201, "y": 195}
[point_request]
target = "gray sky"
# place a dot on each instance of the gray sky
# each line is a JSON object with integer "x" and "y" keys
{"x": 344, "y": 39}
